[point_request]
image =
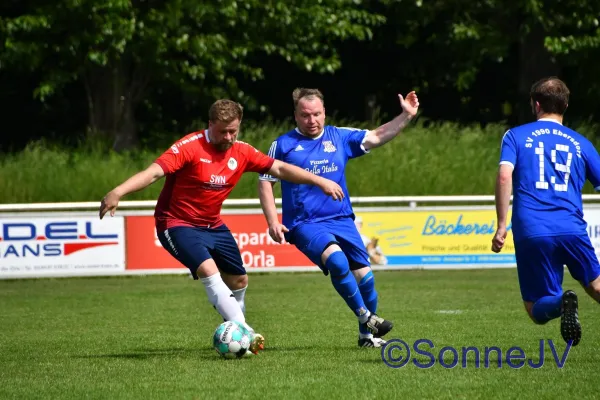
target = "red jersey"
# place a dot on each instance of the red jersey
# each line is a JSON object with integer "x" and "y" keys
{"x": 199, "y": 178}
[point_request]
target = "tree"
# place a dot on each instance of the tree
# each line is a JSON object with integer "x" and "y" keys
{"x": 453, "y": 41}
{"x": 116, "y": 48}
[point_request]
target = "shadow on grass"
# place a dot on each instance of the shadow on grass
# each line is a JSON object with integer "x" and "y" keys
{"x": 144, "y": 354}
{"x": 206, "y": 353}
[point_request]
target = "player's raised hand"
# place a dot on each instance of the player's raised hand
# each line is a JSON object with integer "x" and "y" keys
{"x": 109, "y": 203}
{"x": 276, "y": 231}
{"x": 332, "y": 189}
{"x": 498, "y": 240}
{"x": 410, "y": 104}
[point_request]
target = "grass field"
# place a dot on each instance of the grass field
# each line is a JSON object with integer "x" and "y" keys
{"x": 149, "y": 338}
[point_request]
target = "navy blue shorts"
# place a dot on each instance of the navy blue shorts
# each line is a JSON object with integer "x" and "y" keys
{"x": 192, "y": 246}
{"x": 541, "y": 261}
{"x": 312, "y": 238}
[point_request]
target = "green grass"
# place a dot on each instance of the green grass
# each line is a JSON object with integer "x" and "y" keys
{"x": 444, "y": 159}
{"x": 149, "y": 338}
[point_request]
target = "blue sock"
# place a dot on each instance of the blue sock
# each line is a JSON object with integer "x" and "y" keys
{"x": 369, "y": 295}
{"x": 344, "y": 282}
{"x": 547, "y": 308}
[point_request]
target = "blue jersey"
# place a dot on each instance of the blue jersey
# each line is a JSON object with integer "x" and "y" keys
{"x": 326, "y": 156}
{"x": 551, "y": 164}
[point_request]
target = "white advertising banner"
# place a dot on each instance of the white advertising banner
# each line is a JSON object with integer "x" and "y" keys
{"x": 61, "y": 246}
{"x": 592, "y": 217}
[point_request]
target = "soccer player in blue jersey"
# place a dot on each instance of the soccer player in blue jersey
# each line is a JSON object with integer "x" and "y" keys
{"x": 324, "y": 230}
{"x": 549, "y": 164}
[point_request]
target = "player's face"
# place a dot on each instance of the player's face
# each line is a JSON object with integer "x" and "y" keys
{"x": 310, "y": 116}
{"x": 223, "y": 134}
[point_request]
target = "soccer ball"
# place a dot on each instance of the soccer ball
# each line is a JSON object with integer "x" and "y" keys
{"x": 232, "y": 339}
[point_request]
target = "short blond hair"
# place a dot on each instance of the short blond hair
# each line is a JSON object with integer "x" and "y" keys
{"x": 301, "y": 93}
{"x": 225, "y": 111}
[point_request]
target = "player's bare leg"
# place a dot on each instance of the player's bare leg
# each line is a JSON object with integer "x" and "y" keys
{"x": 593, "y": 289}
{"x": 529, "y": 308}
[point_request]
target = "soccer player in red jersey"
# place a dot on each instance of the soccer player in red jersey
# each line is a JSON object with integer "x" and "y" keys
{"x": 201, "y": 170}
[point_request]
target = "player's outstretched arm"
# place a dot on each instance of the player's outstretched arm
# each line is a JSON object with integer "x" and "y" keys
{"x": 137, "y": 182}
{"x": 267, "y": 203}
{"x": 386, "y": 132}
{"x": 503, "y": 192}
{"x": 291, "y": 173}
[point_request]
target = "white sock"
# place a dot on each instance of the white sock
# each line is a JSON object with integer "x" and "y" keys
{"x": 364, "y": 318}
{"x": 221, "y": 297}
{"x": 239, "y": 296}
{"x": 365, "y": 335}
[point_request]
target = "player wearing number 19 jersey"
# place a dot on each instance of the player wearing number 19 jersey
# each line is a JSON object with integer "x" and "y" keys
{"x": 546, "y": 165}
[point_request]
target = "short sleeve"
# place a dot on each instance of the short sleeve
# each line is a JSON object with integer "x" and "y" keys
{"x": 508, "y": 149}
{"x": 275, "y": 153}
{"x": 592, "y": 166}
{"x": 257, "y": 161}
{"x": 353, "y": 140}
{"x": 177, "y": 156}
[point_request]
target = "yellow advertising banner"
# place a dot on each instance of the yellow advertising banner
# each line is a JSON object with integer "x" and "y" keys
{"x": 433, "y": 237}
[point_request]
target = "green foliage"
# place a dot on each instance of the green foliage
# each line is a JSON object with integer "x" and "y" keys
{"x": 575, "y": 31}
{"x": 188, "y": 42}
{"x": 466, "y": 33}
{"x": 444, "y": 159}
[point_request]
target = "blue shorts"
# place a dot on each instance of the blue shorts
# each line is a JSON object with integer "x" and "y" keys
{"x": 312, "y": 238}
{"x": 192, "y": 246}
{"x": 541, "y": 261}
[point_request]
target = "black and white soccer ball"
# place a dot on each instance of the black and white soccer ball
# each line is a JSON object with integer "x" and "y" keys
{"x": 232, "y": 339}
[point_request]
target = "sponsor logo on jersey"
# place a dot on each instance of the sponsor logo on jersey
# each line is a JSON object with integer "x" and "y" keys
{"x": 329, "y": 147}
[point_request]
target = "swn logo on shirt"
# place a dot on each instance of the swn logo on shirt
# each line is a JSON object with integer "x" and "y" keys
{"x": 218, "y": 180}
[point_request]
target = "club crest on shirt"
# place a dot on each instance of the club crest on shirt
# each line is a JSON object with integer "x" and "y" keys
{"x": 329, "y": 147}
{"x": 232, "y": 163}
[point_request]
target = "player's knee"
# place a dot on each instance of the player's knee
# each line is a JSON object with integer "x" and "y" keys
{"x": 235, "y": 282}
{"x": 593, "y": 289}
{"x": 595, "y": 285}
{"x": 329, "y": 250}
{"x": 359, "y": 272}
{"x": 207, "y": 268}
{"x": 337, "y": 264}
{"x": 242, "y": 281}
{"x": 367, "y": 286}
{"x": 529, "y": 309}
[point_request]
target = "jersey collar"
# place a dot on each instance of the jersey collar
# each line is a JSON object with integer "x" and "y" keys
{"x": 308, "y": 137}
{"x": 549, "y": 120}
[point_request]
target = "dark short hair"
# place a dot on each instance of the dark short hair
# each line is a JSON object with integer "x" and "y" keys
{"x": 225, "y": 111}
{"x": 552, "y": 94}
{"x": 300, "y": 93}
